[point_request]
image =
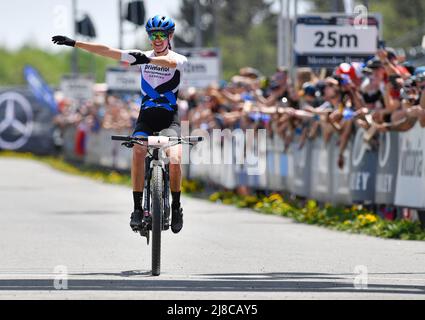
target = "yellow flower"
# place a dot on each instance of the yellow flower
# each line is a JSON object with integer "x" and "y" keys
{"x": 258, "y": 205}
{"x": 215, "y": 196}
{"x": 371, "y": 218}
{"x": 276, "y": 197}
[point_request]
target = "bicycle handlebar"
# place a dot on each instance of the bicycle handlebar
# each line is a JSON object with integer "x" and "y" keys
{"x": 188, "y": 139}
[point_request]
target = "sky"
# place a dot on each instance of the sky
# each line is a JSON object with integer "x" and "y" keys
{"x": 36, "y": 21}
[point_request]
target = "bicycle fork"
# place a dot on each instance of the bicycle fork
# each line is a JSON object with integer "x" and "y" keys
{"x": 147, "y": 200}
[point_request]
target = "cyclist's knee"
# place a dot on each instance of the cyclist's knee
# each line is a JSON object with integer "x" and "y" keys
{"x": 175, "y": 155}
{"x": 175, "y": 159}
{"x": 139, "y": 151}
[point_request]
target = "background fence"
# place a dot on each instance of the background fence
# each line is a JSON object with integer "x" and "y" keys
{"x": 392, "y": 174}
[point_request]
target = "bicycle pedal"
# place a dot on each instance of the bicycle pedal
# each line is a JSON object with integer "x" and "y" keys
{"x": 144, "y": 233}
{"x": 135, "y": 228}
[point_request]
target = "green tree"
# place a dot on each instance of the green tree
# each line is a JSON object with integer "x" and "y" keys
{"x": 404, "y": 21}
{"x": 244, "y": 30}
{"x": 51, "y": 65}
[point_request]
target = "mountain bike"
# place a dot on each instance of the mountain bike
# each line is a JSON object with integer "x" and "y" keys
{"x": 156, "y": 205}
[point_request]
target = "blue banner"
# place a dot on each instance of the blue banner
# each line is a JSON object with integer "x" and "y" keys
{"x": 40, "y": 89}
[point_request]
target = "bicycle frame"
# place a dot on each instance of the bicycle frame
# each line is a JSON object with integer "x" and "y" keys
{"x": 160, "y": 213}
{"x": 152, "y": 160}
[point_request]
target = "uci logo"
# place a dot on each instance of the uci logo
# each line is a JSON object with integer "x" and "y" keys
{"x": 15, "y": 120}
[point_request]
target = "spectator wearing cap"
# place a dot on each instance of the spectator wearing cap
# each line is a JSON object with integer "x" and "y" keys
{"x": 389, "y": 60}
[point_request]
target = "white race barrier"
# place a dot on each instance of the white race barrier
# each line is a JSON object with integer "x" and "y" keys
{"x": 340, "y": 177}
{"x": 300, "y": 168}
{"x": 410, "y": 187}
{"x": 398, "y": 166}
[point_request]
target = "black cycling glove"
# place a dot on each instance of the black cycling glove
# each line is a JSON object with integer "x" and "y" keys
{"x": 141, "y": 58}
{"x": 63, "y": 41}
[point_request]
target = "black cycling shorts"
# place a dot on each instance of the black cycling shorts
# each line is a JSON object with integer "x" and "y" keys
{"x": 158, "y": 120}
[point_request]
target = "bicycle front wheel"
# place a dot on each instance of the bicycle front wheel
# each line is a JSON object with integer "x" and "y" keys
{"x": 157, "y": 209}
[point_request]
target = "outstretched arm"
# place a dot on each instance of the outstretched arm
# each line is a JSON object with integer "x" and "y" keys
{"x": 132, "y": 57}
{"x": 95, "y": 48}
{"x": 99, "y": 49}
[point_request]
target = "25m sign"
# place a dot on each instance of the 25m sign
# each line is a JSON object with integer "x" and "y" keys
{"x": 332, "y": 39}
{"x": 322, "y": 39}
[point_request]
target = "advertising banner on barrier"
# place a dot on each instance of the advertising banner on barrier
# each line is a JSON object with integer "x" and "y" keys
{"x": 226, "y": 169}
{"x": 68, "y": 147}
{"x": 363, "y": 170}
{"x": 256, "y": 156}
{"x": 203, "y": 67}
{"x": 120, "y": 80}
{"x": 77, "y": 87}
{"x": 387, "y": 166}
{"x": 273, "y": 166}
{"x": 281, "y": 164}
{"x": 410, "y": 184}
{"x": 300, "y": 163}
{"x": 340, "y": 177}
{"x": 320, "y": 177}
{"x": 101, "y": 150}
{"x": 25, "y": 124}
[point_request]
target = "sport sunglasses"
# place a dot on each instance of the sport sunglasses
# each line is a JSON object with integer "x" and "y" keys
{"x": 158, "y": 35}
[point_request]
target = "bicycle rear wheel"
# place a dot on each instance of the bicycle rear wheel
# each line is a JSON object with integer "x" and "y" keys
{"x": 157, "y": 210}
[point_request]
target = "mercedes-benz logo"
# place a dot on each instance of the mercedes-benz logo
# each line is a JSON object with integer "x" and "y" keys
{"x": 10, "y": 105}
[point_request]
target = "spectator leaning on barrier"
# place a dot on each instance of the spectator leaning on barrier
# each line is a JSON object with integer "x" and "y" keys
{"x": 377, "y": 96}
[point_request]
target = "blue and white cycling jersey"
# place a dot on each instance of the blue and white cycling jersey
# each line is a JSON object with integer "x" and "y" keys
{"x": 159, "y": 85}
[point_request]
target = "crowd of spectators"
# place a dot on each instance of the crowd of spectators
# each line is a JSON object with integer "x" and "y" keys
{"x": 385, "y": 93}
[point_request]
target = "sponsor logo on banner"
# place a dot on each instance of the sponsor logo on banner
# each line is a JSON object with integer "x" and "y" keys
{"x": 359, "y": 148}
{"x": 363, "y": 170}
{"x": 359, "y": 179}
{"x": 16, "y": 121}
{"x": 410, "y": 187}
{"x": 384, "y": 148}
{"x": 387, "y": 168}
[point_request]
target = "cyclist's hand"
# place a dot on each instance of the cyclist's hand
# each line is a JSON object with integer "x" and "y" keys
{"x": 63, "y": 41}
{"x": 141, "y": 58}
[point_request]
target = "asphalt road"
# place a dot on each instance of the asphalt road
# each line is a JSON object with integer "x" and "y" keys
{"x": 50, "y": 219}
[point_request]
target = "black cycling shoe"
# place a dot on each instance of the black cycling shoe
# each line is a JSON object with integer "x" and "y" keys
{"x": 177, "y": 220}
{"x": 136, "y": 220}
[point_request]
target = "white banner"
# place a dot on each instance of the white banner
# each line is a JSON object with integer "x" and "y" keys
{"x": 410, "y": 188}
{"x": 77, "y": 87}
{"x": 123, "y": 80}
{"x": 203, "y": 67}
{"x": 336, "y": 39}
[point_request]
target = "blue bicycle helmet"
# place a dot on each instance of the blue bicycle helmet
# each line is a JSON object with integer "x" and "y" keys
{"x": 160, "y": 23}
